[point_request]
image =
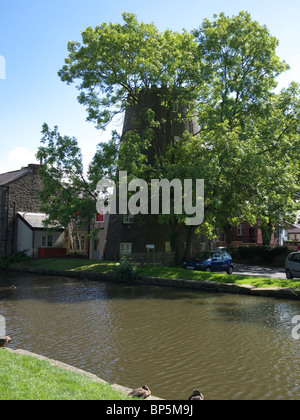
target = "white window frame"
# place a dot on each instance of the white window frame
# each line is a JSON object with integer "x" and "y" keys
{"x": 45, "y": 241}
{"x": 128, "y": 219}
{"x": 125, "y": 248}
{"x": 240, "y": 230}
{"x": 168, "y": 247}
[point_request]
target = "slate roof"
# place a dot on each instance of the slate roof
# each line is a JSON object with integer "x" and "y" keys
{"x": 35, "y": 220}
{"x": 294, "y": 229}
{"x": 12, "y": 176}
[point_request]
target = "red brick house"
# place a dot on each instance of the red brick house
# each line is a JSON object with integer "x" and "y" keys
{"x": 245, "y": 234}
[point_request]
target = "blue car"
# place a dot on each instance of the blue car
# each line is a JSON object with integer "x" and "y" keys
{"x": 210, "y": 261}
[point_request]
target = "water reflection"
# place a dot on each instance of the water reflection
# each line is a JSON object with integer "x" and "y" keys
{"x": 230, "y": 346}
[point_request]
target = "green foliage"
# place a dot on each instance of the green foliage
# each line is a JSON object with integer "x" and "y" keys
{"x": 69, "y": 194}
{"x": 260, "y": 254}
{"x": 247, "y": 129}
{"x": 16, "y": 257}
{"x": 126, "y": 270}
{"x": 114, "y": 62}
{"x": 66, "y": 193}
{"x": 83, "y": 268}
{"x": 225, "y": 72}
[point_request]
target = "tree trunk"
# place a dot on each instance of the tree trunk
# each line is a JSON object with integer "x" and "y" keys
{"x": 189, "y": 242}
{"x": 174, "y": 239}
{"x": 227, "y": 233}
{"x": 266, "y": 232}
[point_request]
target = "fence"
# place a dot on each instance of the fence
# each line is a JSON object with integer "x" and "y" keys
{"x": 293, "y": 245}
{"x": 155, "y": 258}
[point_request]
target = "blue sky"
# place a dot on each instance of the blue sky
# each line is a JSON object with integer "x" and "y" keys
{"x": 33, "y": 44}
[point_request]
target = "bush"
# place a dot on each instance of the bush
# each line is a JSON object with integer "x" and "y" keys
{"x": 16, "y": 257}
{"x": 126, "y": 271}
{"x": 261, "y": 254}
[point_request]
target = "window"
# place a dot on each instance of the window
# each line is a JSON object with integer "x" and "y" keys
{"x": 125, "y": 249}
{"x": 241, "y": 230}
{"x": 294, "y": 258}
{"x": 44, "y": 241}
{"x": 168, "y": 246}
{"x": 128, "y": 219}
{"x": 50, "y": 241}
{"x": 47, "y": 241}
{"x": 218, "y": 256}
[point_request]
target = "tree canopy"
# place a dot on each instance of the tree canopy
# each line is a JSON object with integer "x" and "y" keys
{"x": 224, "y": 74}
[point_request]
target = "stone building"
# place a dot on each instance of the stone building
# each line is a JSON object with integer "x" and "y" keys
{"x": 35, "y": 240}
{"x": 18, "y": 193}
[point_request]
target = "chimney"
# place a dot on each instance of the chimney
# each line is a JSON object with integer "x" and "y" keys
{"x": 34, "y": 167}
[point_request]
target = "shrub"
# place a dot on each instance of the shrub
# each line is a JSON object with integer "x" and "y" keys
{"x": 126, "y": 271}
{"x": 260, "y": 254}
{"x": 16, "y": 257}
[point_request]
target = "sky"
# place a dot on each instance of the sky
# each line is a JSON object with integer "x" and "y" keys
{"x": 33, "y": 45}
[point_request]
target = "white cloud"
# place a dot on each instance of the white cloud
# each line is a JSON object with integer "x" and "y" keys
{"x": 17, "y": 158}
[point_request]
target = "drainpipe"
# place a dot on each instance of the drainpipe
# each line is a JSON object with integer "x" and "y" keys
{"x": 33, "y": 243}
{"x": 13, "y": 230}
{"x": 89, "y": 242}
{"x": 7, "y": 221}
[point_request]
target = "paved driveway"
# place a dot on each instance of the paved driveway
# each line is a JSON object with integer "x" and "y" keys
{"x": 258, "y": 271}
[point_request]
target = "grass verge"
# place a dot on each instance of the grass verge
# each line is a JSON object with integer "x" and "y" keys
{"x": 161, "y": 272}
{"x": 27, "y": 378}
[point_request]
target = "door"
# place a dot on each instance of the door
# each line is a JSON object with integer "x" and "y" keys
{"x": 217, "y": 262}
{"x": 96, "y": 246}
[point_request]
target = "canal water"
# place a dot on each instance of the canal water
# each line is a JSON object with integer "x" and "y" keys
{"x": 231, "y": 347}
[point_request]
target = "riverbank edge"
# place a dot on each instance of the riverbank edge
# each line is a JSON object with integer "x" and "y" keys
{"x": 70, "y": 368}
{"x": 206, "y": 285}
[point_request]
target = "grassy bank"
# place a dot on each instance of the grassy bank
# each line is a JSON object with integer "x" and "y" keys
{"x": 161, "y": 272}
{"x": 27, "y": 378}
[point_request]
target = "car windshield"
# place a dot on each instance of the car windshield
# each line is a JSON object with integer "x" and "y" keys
{"x": 201, "y": 256}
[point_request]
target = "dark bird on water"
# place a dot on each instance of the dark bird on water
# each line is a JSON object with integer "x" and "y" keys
{"x": 5, "y": 341}
{"x": 196, "y": 395}
{"x": 143, "y": 392}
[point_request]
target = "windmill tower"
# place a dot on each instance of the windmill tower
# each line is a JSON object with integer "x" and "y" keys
{"x": 133, "y": 235}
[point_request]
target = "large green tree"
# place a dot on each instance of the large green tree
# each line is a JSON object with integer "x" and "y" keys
{"x": 117, "y": 67}
{"x": 246, "y": 128}
{"x": 225, "y": 72}
{"x": 115, "y": 62}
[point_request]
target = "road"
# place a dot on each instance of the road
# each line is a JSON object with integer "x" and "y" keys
{"x": 258, "y": 271}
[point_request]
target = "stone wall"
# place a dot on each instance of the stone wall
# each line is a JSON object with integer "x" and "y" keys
{"x": 207, "y": 285}
{"x": 20, "y": 195}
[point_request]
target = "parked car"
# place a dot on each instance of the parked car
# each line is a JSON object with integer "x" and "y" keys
{"x": 210, "y": 261}
{"x": 292, "y": 265}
